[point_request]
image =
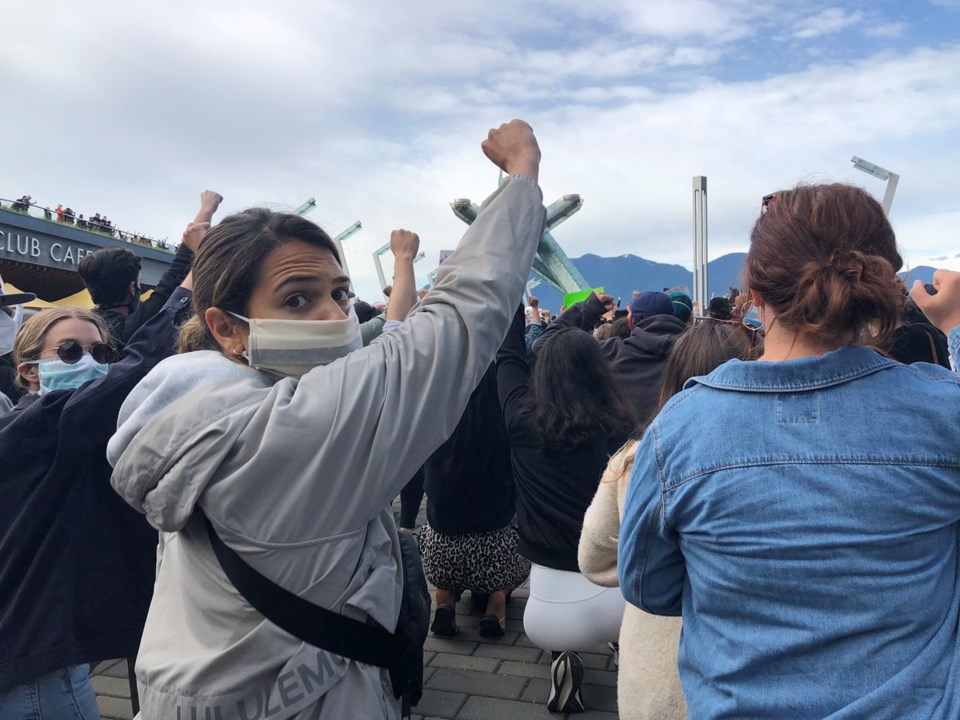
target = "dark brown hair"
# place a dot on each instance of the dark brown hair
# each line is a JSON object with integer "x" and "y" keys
{"x": 227, "y": 265}
{"x": 107, "y": 274}
{"x": 824, "y": 258}
{"x": 700, "y": 350}
{"x": 576, "y": 400}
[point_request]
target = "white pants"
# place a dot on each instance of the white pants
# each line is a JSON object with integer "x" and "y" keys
{"x": 568, "y": 612}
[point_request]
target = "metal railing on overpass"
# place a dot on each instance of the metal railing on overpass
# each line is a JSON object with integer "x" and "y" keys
{"x": 90, "y": 225}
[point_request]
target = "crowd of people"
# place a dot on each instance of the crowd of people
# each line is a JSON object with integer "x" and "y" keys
{"x": 97, "y": 223}
{"x": 757, "y": 509}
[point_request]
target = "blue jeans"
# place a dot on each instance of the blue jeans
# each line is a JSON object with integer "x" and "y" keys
{"x": 62, "y": 695}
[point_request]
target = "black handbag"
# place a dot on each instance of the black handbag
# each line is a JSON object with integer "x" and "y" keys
{"x": 401, "y": 652}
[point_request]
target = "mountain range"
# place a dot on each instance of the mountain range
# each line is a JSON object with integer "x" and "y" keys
{"x": 620, "y": 276}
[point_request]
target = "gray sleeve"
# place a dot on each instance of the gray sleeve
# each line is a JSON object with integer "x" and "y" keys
{"x": 372, "y": 328}
{"x": 326, "y": 453}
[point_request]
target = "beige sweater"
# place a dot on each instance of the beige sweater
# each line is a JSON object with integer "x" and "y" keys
{"x": 648, "y": 685}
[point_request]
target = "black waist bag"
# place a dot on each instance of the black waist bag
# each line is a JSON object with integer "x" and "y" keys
{"x": 401, "y": 652}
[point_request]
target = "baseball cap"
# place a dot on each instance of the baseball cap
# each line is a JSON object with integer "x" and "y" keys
{"x": 7, "y": 299}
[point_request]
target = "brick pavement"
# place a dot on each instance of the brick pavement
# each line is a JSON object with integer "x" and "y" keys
{"x": 467, "y": 678}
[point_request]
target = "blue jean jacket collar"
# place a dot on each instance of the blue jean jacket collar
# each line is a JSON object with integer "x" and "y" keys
{"x": 809, "y": 373}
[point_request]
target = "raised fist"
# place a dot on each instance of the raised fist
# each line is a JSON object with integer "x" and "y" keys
{"x": 210, "y": 200}
{"x": 534, "y": 301}
{"x": 513, "y": 148}
{"x": 607, "y": 300}
{"x": 942, "y": 309}
{"x": 404, "y": 244}
{"x": 194, "y": 234}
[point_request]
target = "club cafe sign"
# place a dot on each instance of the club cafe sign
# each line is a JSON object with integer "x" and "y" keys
{"x": 41, "y": 249}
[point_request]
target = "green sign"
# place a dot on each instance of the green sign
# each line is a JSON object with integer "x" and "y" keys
{"x": 571, "y": 299}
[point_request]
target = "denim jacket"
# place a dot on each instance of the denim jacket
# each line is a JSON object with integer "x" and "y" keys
{"x": 804, "y": 516}
{"x": 953, "y": 340}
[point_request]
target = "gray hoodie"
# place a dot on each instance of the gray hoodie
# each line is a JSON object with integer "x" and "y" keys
{"x": 297, "y": 477}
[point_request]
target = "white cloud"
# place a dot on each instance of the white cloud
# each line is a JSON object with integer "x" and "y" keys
{"x": 886, "y": 30}
{"x": 826, "y": 22}
{"x": 933, "y": 236}
{"x": 676, "y": 19}
{"x": 378, "y": 111}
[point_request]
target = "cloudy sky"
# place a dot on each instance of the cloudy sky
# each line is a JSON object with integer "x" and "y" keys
{"x": 377, "y": 110}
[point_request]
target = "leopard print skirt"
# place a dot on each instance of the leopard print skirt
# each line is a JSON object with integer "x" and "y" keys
{"x": 479, "y": 562}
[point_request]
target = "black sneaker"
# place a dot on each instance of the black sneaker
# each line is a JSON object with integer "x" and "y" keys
{"x": 445, "y": 622}
{"x": 566, "y": 676}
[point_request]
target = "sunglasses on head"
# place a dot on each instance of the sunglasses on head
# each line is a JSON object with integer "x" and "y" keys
{"x": 766, "y": 202}
{"x": 71, "y": 351}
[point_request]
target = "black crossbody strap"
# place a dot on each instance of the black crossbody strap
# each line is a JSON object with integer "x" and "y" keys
{"x": 311, "y": 623}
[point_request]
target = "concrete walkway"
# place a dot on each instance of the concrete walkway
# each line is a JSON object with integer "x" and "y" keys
{"x": 467, "y": 678}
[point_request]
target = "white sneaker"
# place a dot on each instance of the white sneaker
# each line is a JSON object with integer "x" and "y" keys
{"x": 615, "y": 649}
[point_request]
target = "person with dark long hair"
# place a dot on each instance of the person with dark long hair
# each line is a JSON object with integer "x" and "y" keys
{"x": 813, "y": 557}
{"x": 648, "y": 686}
{"x": 565, "y": 419}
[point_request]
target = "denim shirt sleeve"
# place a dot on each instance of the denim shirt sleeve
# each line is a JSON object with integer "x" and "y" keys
{"x": 953, "y": 340}
{"x": 533, "y": 332}
{"x": 652, "y": 568}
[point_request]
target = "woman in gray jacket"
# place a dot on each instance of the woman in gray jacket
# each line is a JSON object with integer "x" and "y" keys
{"x": 292, "y": 441}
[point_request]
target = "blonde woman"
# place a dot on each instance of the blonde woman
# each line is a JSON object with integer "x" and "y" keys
{"x": 648, "y": 686}
{"x": 78, "y": 564}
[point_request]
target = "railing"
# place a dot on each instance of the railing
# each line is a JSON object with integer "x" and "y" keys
{"x": 49, "y": 215}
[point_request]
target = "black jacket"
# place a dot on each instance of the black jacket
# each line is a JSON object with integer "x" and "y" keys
{"x": 637, "y": 362}
{"x": 77, "y": 563}
{"x": 8, "y": 378}
{"x": 122, "y": 327}
{"x": 554, "y": 489}
{"x": 916, "y": 340}
{"x": 468, "y": 480}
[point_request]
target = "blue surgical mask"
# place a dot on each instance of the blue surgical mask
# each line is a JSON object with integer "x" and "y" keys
{"x": 55, "y": 374}
{"x": 752, "y": 319}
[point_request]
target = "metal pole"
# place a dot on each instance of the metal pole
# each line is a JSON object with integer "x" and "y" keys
{"x": 880, "y": 173}
{"x": 376, "y": 261}
{"x": 338, "y": 241}
{"x": 700, "y": 242}
{"x": 888, "y": 195}
{"x": 309, "y": 205}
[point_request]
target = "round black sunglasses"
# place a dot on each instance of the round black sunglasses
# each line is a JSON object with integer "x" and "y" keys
{"x": 71, "y": 352}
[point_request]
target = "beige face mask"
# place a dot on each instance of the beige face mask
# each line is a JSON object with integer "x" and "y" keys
{"x": 294, "y": 347}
